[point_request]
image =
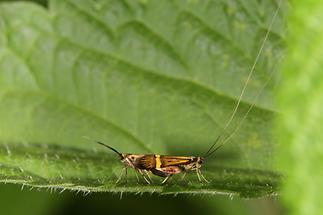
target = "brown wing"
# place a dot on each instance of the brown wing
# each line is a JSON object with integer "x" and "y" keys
{"x": 146, "y": 162}
{"x": 174, "y": 160}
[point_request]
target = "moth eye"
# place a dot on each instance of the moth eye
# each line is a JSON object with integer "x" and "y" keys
{"x": 132, "y": 157}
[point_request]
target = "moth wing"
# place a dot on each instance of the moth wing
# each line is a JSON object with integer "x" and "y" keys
{"x": 174, "y": 160}
{"x": 166, "y": 171}
{"x": 146, "y": 162}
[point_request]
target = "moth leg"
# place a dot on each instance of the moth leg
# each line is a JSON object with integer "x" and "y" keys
{"x": 147, "y": 174}
{"x": 137, "y": 177}
{"x": 124, "y": 170}
{"x": 200, "y": 173}
{"x": 143, "y": 175}
{"x": 166, "y": 179}
{"x": 207, "y": 181}
{"x": 126, "y": 173}
{"x": 182, "y": 178}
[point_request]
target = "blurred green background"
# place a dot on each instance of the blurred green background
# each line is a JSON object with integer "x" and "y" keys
{"x": 15, "y": 200}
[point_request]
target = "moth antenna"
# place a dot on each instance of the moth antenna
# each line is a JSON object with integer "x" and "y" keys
{"x": 105, "y": 145}
{"x": 215, "y": 142}
{"x": 209, "y": 152}
{"x": 253, "y": 67}
{"x": 109, "y": 147}
{"x": 214, "y": 150}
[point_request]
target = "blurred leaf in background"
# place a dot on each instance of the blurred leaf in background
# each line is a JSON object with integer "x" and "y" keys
{"x": 159, "y": 205}
{"x": 301, "y": 101}
{"x": 40, "y": 2}
{"x": 15, "y": 200}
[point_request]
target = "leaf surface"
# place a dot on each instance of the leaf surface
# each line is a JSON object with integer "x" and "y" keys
{"x": 142, "y": 76}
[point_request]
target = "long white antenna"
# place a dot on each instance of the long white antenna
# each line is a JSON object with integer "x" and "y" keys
{"x": 249, "y": 109}
{"x": 251, "y": 71}
{"x": 253, "y": 67}
{"x": 210, "y": 151}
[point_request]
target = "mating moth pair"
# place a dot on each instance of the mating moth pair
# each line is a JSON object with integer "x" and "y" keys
{"x": 162, "y": 165}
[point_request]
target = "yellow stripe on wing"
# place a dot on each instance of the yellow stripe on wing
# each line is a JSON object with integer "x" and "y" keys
{"x": 158, "y": 162}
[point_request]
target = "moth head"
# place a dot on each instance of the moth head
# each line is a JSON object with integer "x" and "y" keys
{"x": 196, "y": 162}
{"x": 130, "y": 157}
{"x": 200, "y": 160}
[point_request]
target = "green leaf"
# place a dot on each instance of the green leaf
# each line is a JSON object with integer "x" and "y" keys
{"x": 143, "y": 76}
{"x": 69, "y": 168}
{"x": 301, "y": 100}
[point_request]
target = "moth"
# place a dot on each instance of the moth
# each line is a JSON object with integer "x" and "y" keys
{"x": 162, "y": 165}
